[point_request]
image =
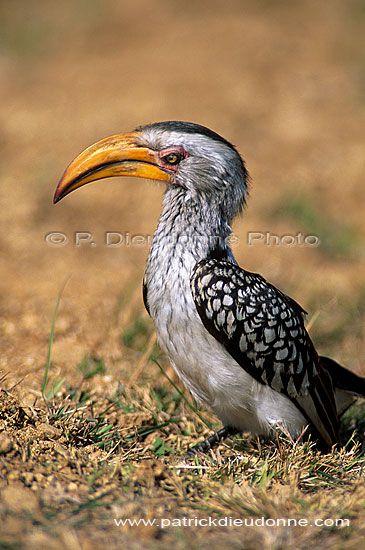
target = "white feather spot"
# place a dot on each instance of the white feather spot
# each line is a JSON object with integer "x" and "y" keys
{"x": 281, "y": 354}
{"x": 205, "y": 280}
{"x": 260, "y": 346}
{"x": 227, "y": 300}
{"x": 291, "y": 389}
{"x": 242, "y": 343}
{"x": 269, "y": 334}
{"x": 239, "y": 315}
{"x": 221, "y": 317}
{"x": 230, "y": 318}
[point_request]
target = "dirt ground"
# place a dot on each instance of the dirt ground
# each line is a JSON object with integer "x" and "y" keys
{"x": 284, "y": 81}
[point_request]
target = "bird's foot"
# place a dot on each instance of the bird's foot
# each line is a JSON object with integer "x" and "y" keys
{"x": 211, "y": 441}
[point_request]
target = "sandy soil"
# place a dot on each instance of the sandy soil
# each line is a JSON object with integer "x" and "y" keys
{"x": 282, "y": 80}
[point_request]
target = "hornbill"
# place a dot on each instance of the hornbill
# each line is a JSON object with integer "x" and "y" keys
{"x": 238, "y": 343}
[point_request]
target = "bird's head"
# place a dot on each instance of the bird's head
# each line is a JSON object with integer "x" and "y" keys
{"x": 182, "y": 154}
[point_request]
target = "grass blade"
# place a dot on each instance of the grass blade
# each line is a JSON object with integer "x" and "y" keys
{"x": 51, "y": 336}
{"x": 182, "y": 395}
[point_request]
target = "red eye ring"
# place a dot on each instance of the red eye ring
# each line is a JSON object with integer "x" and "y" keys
{"x": 172, "y": 158}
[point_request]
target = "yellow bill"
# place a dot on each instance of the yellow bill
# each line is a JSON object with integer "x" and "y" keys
{"x": 118, "y": 155}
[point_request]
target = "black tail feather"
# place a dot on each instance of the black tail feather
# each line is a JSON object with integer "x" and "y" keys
{"x": 342, "y": 378}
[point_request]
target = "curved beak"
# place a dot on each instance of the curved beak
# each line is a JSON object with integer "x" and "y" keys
{"x": 118, "y": 155}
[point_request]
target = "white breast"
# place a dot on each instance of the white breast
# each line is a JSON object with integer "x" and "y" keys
{"x": 203, "y": 364}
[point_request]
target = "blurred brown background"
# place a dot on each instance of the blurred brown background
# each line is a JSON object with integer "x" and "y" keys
{"x": 282, "y": 80}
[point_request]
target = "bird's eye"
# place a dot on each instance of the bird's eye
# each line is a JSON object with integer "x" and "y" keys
{"x": 172, "y": 158}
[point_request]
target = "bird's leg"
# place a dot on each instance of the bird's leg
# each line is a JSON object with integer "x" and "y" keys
{"x": 211, "y": 441}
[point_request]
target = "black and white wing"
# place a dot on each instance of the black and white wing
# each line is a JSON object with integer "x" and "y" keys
{"x": 263, "y": 330}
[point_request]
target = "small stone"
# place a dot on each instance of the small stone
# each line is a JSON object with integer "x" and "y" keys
{"x": 6, "y": 444}
{"x": 48, "y": 431}
{"x": 28, "y": 478}
{"x": 13, "y": 476}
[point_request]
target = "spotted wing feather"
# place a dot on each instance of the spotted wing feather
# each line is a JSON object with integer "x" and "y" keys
{"x": 263, "y": 329}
